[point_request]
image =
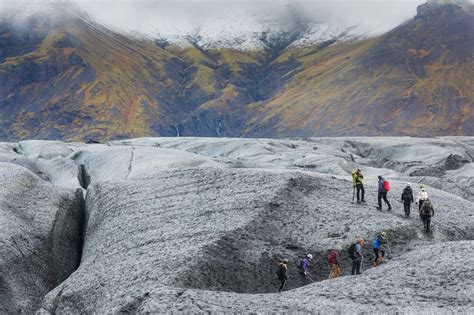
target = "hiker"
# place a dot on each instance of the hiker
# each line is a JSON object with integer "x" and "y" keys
{"x": 282, "y": 273}
{"x": 378, "y": 243}
{"x": 355, "y": 252}
{"x": 421, "y": 196}
{"x": 357, "y": 178}
{"x": 304, "y": 265}
{"x": 384, "y": 187}
{"x": 333, "y": 261}
{"x": 426, "y": 212}
{"x": 407, "y": 199}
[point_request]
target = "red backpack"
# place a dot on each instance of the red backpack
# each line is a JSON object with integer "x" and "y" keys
{"x": 332, "y": 257}
{"x": 386, "y": 185}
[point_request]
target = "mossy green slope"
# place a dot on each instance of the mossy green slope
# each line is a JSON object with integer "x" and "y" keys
{"x": 77, "y": 80}
{"x": 416, "y": 80}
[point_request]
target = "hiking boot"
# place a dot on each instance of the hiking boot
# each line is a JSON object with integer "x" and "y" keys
{"x": 379, "y": 208}
{"x": 362, "y": 201}
{"x": 389, "y": 209}
{"x": 374, "y": 264}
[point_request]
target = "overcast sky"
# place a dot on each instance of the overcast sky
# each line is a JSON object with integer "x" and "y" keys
{"x": 172, "y": 17}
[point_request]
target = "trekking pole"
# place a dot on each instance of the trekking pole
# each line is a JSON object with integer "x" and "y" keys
{"x": 389, "y": 251}
{"x": 307, "y": 275}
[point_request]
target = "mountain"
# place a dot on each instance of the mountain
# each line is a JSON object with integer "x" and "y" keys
{"x": 64, "y": 76}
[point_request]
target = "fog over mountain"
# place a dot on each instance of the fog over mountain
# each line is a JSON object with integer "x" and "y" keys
{"x": 175, "y": 18}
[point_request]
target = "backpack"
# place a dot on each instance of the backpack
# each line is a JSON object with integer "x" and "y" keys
{"x": 386, "y": 185}
{"x": 279, "y": 271}
{"x": 426, "y": 208}
{"x": 406, "y": 196}
{"x": 301, "y": 265}
{"x": 331, "y": 258}
{"x": 351, "y": 250}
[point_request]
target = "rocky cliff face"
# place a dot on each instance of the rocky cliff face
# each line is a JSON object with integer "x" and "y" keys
{"x": 199, "y": 224}
{"x": 70, "y": 78}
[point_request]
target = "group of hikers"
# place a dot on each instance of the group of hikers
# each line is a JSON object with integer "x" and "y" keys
{"x": 379, "y": 244}
{"x": 425, "y": 207}
{"x": 333, "y": 259}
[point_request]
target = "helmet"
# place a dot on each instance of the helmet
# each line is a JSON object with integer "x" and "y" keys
{"x": 408, "y": 184}
{"x": 338, "y": 247}
{"x": 309, "y": 256}
{"x": 285, "y": 261}
{"x": 383, "y": 234}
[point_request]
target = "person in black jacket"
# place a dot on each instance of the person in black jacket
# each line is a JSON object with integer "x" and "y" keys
{"x": 407, "y": 199}
{"x": 426, "y": 213}
{"x": 282, "y": 273}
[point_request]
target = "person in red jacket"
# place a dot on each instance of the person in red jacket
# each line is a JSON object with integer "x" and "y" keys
{"x": 333, "y": 261}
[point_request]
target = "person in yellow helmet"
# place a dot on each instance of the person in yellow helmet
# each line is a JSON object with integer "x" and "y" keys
{"x": 378, "y": 246}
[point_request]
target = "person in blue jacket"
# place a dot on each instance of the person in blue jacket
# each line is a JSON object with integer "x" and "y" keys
{"x": 378, "y": 243}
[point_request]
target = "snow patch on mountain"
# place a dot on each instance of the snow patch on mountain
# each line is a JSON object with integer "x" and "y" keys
{"x": 254, "y": 35}
{"x": 236, "y": 29}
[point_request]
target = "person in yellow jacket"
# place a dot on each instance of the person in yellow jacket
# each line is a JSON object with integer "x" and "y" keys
{"x": 357, "y": 179}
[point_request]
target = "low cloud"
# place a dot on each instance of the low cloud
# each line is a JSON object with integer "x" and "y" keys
{"x": 178, "y": 17}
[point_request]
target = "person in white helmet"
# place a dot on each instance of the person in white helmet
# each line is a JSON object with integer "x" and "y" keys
{"x": 304, "y": 265}
{"x": 421, "y": 196}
